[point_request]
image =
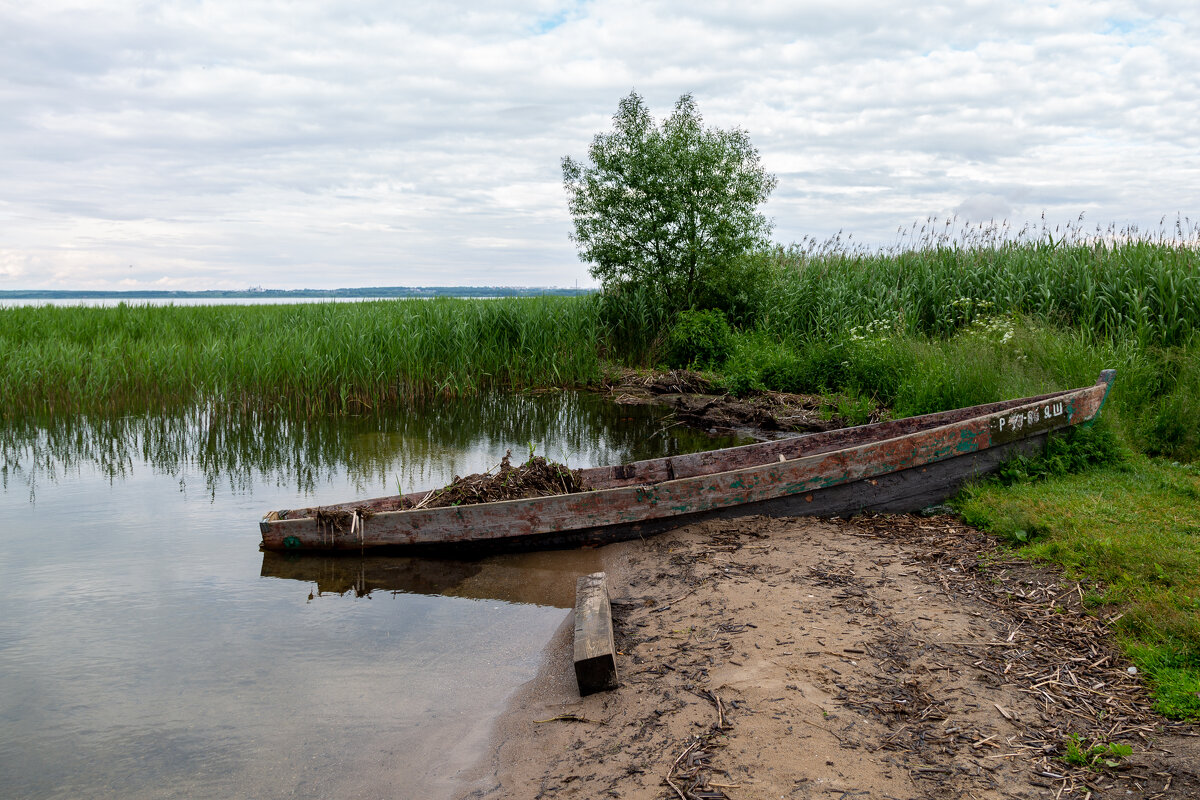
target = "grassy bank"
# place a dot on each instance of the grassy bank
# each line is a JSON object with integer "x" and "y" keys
{"x": 953, "y": 323}
{"x": 1153, "y": 406}
{"x": 952, "y": 318}
{"x": 1133, "y": 527}
{"x": 314, "y": 358}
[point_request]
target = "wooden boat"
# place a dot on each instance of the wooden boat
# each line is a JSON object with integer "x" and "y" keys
{"x": 900, "y": 465}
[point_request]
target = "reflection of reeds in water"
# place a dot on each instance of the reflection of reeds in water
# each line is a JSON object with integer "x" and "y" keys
{"x": 420, "y": 447}
{"x": 313, "y": 358}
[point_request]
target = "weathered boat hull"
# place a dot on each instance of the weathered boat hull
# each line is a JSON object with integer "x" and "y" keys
{"x": 893, "y": 466}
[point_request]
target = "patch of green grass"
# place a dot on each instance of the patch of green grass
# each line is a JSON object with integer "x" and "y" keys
{"x": 1134, "y": 529}
{"x": 1079, "y": 752}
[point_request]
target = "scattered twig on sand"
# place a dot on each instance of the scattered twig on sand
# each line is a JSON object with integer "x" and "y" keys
{"x": 1054, "y": 651}
{"x": 571, "y": 718}
{"x": 691, "y": 768}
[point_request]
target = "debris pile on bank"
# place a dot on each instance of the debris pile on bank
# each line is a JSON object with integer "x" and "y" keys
{"x": 697, "y": 400}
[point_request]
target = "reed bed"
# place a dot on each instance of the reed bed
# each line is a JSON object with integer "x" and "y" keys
{"x": 955, "y": 316}
{"x": 312, "y": 358}
{"x": 941, "y": 277}
{"x": 809, "y": 308}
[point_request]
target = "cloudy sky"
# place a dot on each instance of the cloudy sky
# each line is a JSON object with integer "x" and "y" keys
{"x": 222, "y": 144}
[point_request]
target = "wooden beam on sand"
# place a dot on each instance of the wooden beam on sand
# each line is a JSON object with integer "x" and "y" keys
{"x": 595, "y": 654}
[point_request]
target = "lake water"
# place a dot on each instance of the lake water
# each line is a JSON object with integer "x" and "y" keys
{"x": 148, "y": 649}
{"x": 109, "y": 302}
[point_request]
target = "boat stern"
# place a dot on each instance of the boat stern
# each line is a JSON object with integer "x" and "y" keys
{"x": 1107, "y": 376}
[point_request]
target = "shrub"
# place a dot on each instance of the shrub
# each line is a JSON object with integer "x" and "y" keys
{"x": 699, "y": 338}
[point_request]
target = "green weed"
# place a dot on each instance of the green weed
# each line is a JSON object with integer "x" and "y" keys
{"x": 1097, "y": 755}
{"x": 1073, "y": 451}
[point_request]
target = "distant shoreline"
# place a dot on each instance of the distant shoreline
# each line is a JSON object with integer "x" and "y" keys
{"x": 372, "y": 292}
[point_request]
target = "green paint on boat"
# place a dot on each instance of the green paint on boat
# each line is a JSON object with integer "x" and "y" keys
{"x": 967, "y": 443}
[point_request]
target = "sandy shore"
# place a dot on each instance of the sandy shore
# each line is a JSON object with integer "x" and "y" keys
{"x": 897, "y": 657}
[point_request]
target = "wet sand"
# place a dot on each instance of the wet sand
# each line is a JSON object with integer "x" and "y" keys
{"x": 884, "y": 657}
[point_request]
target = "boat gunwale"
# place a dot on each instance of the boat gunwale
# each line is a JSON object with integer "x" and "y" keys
{"x": 857, "y": 432}
{"x": 964, "y": 422}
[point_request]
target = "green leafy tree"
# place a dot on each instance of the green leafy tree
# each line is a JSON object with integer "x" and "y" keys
{"x": 670, "y": 210}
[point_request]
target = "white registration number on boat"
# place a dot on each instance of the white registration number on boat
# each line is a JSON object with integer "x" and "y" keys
{"x": 1018, "y": 424}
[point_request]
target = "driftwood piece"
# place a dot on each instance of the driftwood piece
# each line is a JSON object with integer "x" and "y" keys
{"x": 595, "y": 654}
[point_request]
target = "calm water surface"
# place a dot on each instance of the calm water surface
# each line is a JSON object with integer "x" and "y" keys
{"x": 148, "y": 649}
{"x": 110, "y": 302}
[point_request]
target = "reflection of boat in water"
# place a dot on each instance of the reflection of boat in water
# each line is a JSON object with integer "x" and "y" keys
{"x": 542, "y": 578}
{"x": 899, "y": 465}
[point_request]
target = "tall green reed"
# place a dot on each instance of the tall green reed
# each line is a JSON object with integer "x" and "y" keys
{"x": 939, "y": 278}
{"x": 314, "y": 358}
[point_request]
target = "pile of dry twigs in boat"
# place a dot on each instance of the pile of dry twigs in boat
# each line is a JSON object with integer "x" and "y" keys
{"x": 537, "y": 477}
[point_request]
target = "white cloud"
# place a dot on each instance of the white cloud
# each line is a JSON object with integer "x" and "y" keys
{"x": 983, "y": 208}
{"x": 221, "y": 144}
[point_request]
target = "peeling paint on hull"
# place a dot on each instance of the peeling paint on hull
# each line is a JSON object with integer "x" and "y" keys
{"x": 830, "y": 474}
